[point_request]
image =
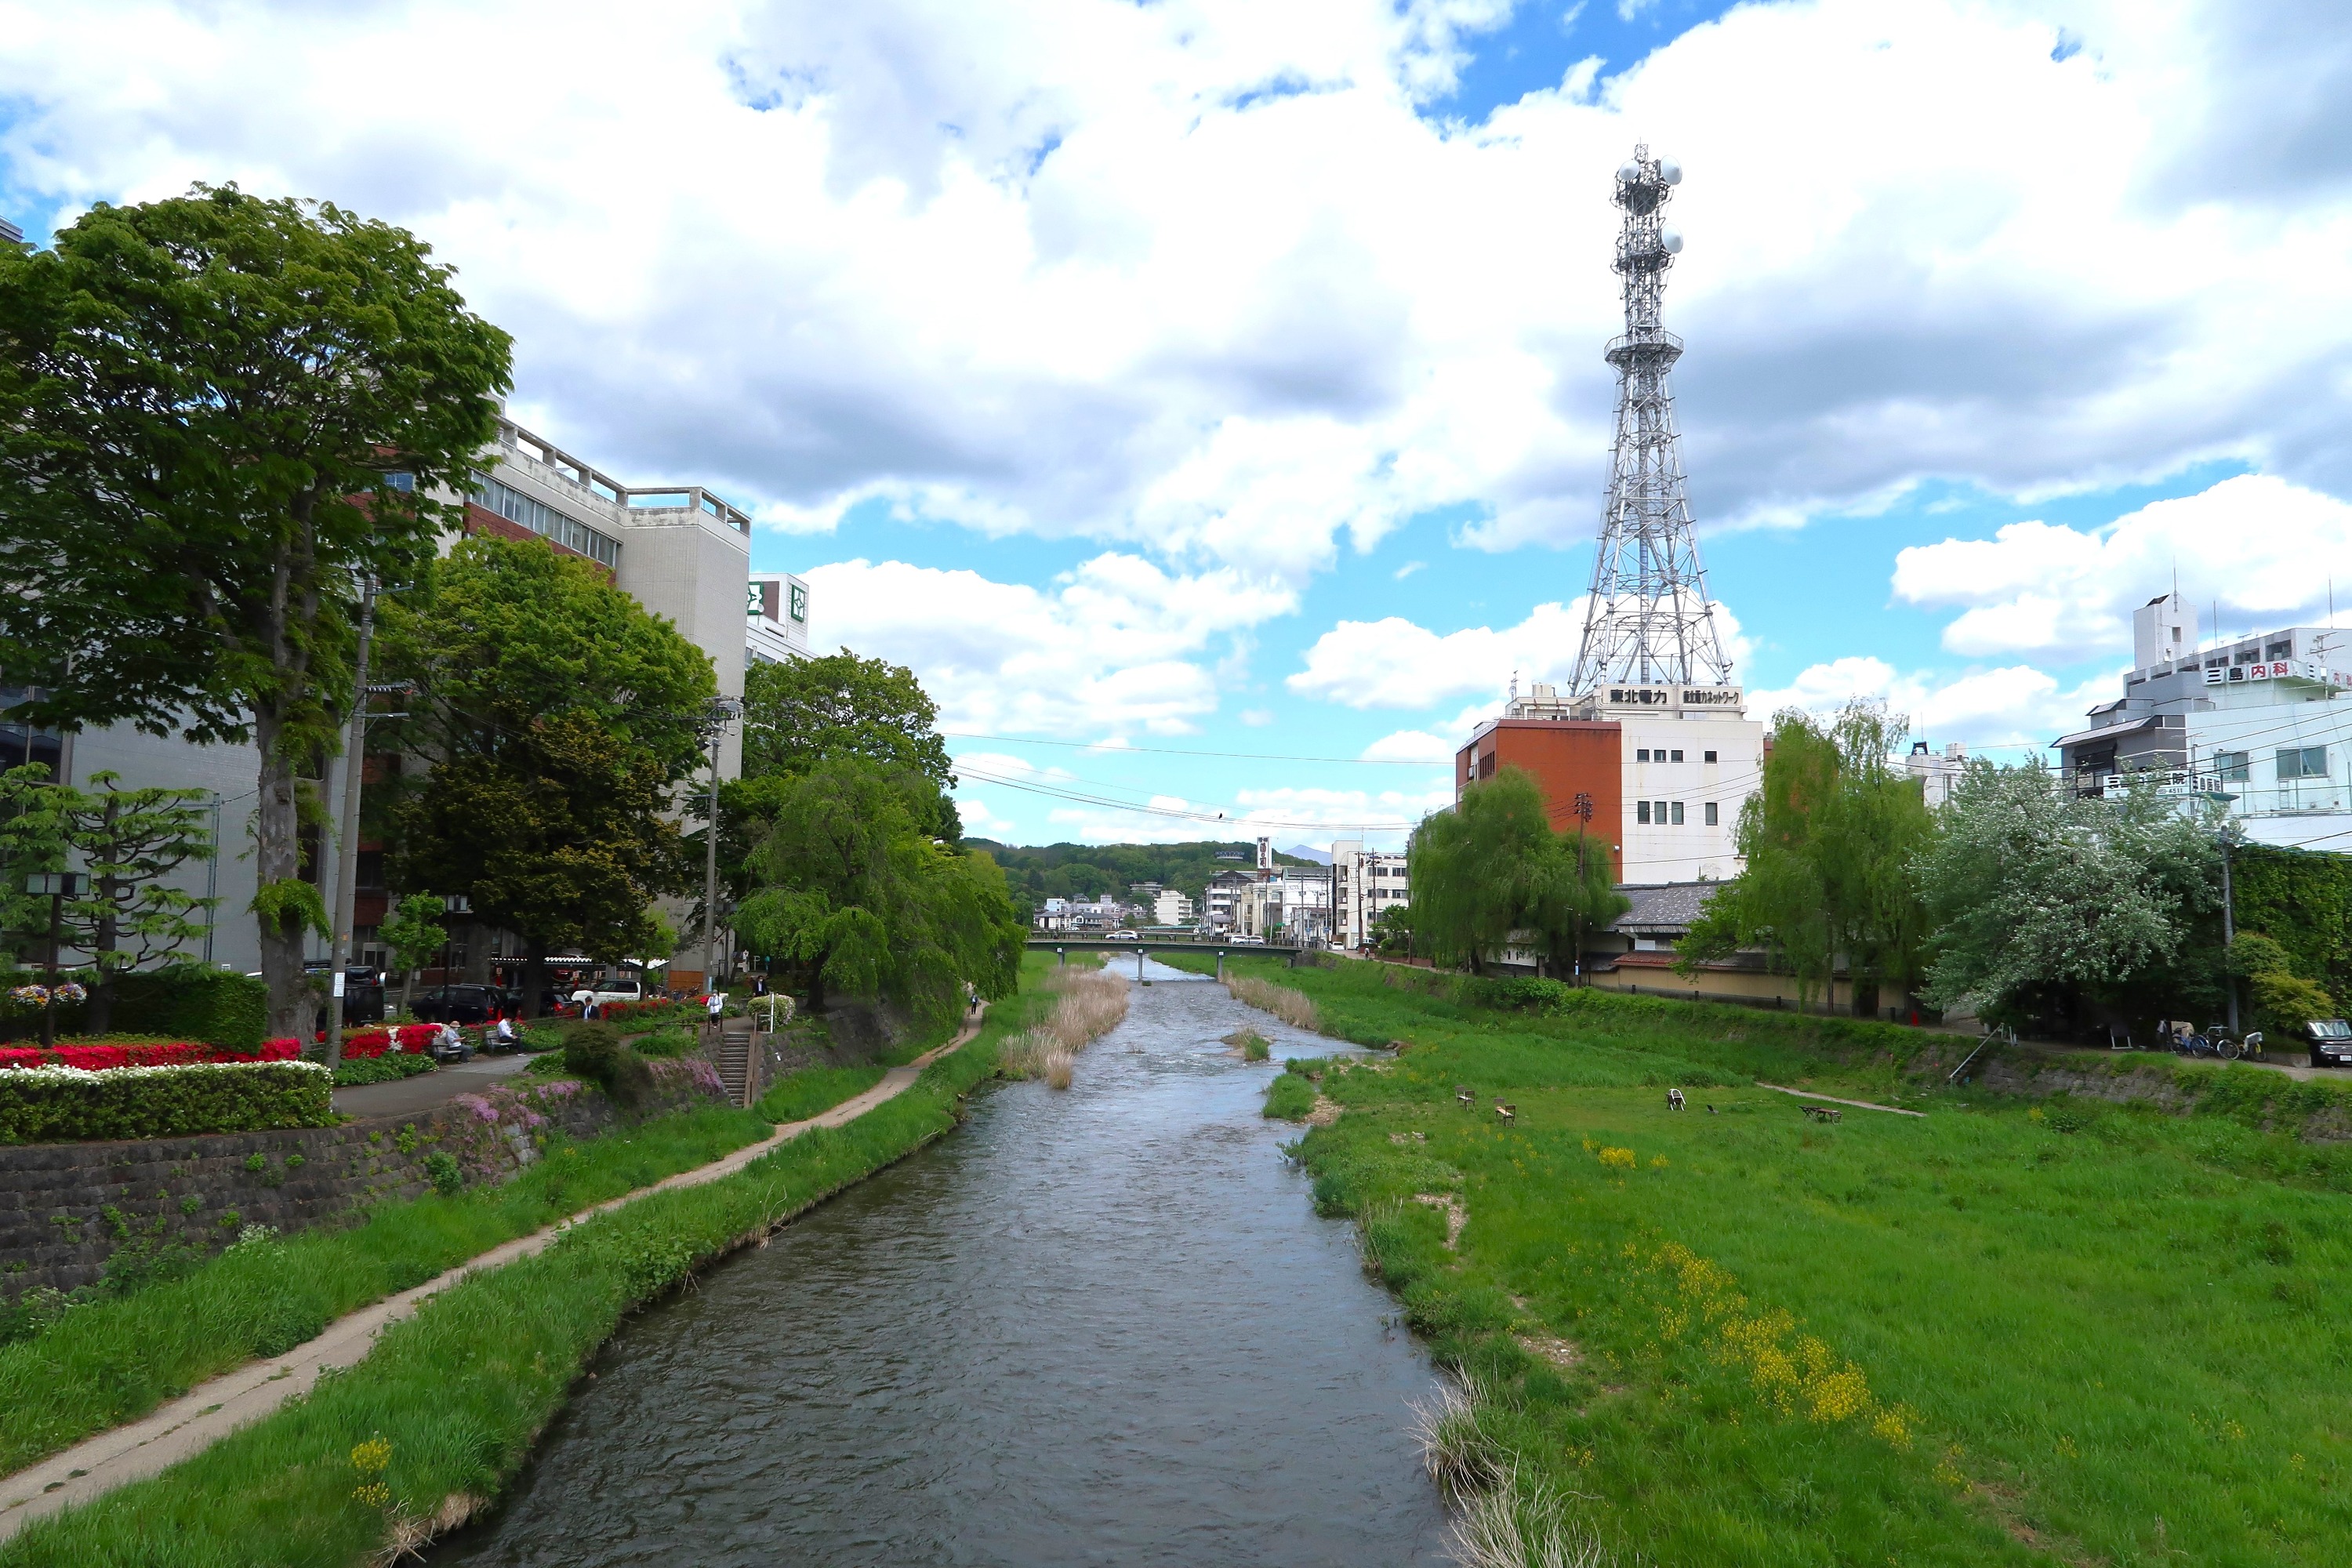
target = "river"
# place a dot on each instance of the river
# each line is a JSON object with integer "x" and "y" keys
{"x": 1101, "y": 1326}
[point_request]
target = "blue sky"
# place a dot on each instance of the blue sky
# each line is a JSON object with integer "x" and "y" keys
{"x": 1215, "y": 377}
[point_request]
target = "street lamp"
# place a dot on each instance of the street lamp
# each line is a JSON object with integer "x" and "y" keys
{"x": 56, "y": 887}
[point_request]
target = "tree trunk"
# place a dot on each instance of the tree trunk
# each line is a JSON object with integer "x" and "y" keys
{"x": 534, "y": 976}
{"x": 100, "y": 1018}
{"x": 278, "y": 861}
{"x": 407, "y": 992}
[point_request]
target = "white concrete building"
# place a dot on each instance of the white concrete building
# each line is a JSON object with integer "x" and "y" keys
{"x": 1364, "y": 883}
{"x": 1937, "y": 772}
{"x": 2265, "y": 721}
{"x": 1171, "y": 908}
{"x": 775, "y": 618}
{"x": 1292, "y": 903}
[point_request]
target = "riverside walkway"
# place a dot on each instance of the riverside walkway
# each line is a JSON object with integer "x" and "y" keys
{"x": 214, "y": 1409}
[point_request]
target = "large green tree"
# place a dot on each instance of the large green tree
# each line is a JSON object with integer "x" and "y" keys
{"x": 2043, "y": 899}
{"x": 1829, "y": 840}
{"x": 799, "y": 714}
{"x": 856, "y": 895}
{"x": 1492, "y": 867}
{"x": 218, "y": 414}
{"x": 559, "y": 718}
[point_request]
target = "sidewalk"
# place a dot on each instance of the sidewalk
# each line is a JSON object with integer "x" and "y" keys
{"x": 206, "y": 1413}
{"x": 426, "y": 1090}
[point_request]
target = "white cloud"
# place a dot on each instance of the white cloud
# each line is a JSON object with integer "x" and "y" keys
{"x": 2262, "y": 546}
{"x": 1412, "y": 746}
{"x": 1117, "y": 642}
{"x": 1397, "y": 663}
{"x": 2012, "y": 705}
{"x": 1199, "y": 278}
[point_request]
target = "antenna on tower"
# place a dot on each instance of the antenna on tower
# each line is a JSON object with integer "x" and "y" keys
{"x": 1648, "y": 620}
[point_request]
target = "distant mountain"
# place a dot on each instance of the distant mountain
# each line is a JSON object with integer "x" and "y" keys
{"x": 1037, "y": 872}
{"x": 1320, "y": 856}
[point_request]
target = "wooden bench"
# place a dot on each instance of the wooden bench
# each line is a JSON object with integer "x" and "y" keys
{"x": 1506, "y": 1112}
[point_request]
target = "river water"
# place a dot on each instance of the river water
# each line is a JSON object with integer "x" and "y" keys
{"x": 1102, "y": 1326}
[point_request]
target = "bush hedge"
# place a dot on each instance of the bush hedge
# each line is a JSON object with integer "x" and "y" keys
{"x": 64, "y": 1105}
{"x": 186, "y": 1001}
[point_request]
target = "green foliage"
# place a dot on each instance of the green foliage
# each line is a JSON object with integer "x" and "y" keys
{"x": 1829, "y": 841}
{"x": 2041, "y": 897}
{"x": 2285, "y": 1003}
{"x": 2303, "y": 898}
{"x": 441, "y": 1170}
{"x": 1090, "y": 870}
{"x": 799, "y": 714}
{"x": 594, "y": 1051}
{"x": 390, "y": 1067}
{"x": 163, "y": 1103}
{"x": 1289, "y": 1098}
{"x": 116, "y": 1359}
{"x": 559, "y": 714}
{"x": 1392, "y": 930}
{"x": 2252, "y": 953}
{"x": 856, "y": 897}
{"x": 189, "y": 1002}
{"x": 203, "y": 403}
{"x": 1493, "y": 866}
{"x": 414, "y": 932}
{"x": 812, "y": 1091}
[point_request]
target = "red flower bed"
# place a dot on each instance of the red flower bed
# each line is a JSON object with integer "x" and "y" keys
{"x": 364, "y": 1042}
{"x": 158, "y": 1054}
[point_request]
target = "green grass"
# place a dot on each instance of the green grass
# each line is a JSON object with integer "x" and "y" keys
{"x": 810, "y": 1091}
{"x": 459, "y": 1392}
{"x": 115, "y": 1359}
{"x": 1289, "y": 1098}
{"x": 2006, "y": 1333}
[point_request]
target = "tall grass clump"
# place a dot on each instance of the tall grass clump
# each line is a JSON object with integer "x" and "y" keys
{"x": 1504, "y": 1520}
{"x": 1294, "y": 1008}
{"x": 1089, "y": 1003}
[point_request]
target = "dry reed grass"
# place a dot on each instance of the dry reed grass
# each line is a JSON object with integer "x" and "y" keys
{"x": 1504, "y": 1520}
{"x": 1090, "y": 1004}
{"x": 1294, "y": 1008}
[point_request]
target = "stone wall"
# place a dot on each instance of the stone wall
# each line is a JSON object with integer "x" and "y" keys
{"x": 70, "y": 1210}
{"x": 2314, "y": 1112}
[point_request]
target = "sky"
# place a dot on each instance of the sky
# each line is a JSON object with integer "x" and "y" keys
{"x": 1205, "y": 398}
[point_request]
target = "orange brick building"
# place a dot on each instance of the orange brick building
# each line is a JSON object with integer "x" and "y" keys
{"x": 1569, "y": 757}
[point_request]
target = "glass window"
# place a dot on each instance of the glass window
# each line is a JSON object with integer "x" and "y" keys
{"x": 2283, "y": 648}
{"x": 1642, "y": 811}
{"x": 1643, "y": 756}
{"x": 1678, "y": 814}
{"x": 2302, "y": 762}
{"x": 2231, "y": 766}
{"x": 545, "y": 520}
{"x": 1711, "y": 756}
{"x": 1710, "y": 809}
{"x": 1676, "y": 756}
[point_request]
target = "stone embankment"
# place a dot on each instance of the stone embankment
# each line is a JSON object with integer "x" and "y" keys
{"x": 70, "y": 1210}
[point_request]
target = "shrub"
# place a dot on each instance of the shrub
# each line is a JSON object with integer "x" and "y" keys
{"x": 63, "y": 1104}
{"x": 1289, "y": 1098}
{"x": 448, "y": 1178}
{"x": 596, "y": 1053}
{"x": 389, "y": 1067}
{"x": 194, "y": 1002}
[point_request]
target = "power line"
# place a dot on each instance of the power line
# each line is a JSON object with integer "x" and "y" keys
{"x": 1173, "y": 751}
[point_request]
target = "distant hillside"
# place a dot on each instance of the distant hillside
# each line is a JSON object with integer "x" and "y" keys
{"x": 1089, "y": 870}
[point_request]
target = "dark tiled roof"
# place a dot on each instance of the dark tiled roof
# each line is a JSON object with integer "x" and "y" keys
{"x": 1673, "y": 907}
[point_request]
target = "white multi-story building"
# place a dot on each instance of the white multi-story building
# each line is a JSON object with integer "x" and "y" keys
{"x": 775, "y": 618}
{"x": 1171, "y": 908}
{"x": 2263, "y": 721}
{"x": 1364, "y": 883}
{"x": 1292, "y": 903}
{"x": 1221, "y": 895}
{"x": 1937, "y": 772}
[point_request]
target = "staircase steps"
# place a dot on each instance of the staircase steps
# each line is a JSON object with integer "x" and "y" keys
{"x": 733, "y": 1055}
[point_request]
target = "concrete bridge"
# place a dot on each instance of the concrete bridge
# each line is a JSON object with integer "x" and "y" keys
{"x": 1064, "y": 945}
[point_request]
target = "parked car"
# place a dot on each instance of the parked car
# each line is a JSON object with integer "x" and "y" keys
{"x": 2331, "y": 1042}
{"x": 363, "y": 991}
{"x": 600, "y": 992}
{"x": 461, "y": 1005}
{"x": 1122, "y": 936}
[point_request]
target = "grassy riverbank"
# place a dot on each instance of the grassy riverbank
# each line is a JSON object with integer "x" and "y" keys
{"x": 448, "y": 1404}
{"x": 2002, "y": 1333}
{"x": 812, "y": 1091}
{"x": 114, "y": 1360}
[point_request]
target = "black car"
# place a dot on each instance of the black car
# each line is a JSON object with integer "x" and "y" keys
{"x": 2331, "y": 1042}
{"x": 362, "y": 991}
{"x": 462, "y": 1004}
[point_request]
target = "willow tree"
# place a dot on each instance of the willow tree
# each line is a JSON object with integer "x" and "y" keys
{"x": 218, "y": 417}
{"x": 1828, "y": 839}
{"x": 1492, "y": 869}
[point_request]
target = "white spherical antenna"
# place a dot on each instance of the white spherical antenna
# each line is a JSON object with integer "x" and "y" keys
{"x": 1670, "y": 171}
{"x": 1670, "y": 240}
{"x": 1628, "y": 172}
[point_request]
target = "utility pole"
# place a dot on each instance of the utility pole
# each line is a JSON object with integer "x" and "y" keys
{"x": 2229, "y": 926}
{"x": 347, "y": 861}
{"x": 720, "y": 713}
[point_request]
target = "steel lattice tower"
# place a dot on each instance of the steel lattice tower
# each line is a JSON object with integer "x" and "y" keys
{"x": 1648, "y": 620}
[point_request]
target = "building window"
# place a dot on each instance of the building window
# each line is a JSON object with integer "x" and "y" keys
{"x": 2231, "y": 766}
{"x": 1710, "y": 813}
{"x": 1678, "y": 813}
{"x": 1676, "y": 756}
{"x": 1711, "y": 756}
{"x": 2283, "y": 648}
{"x": 2302, "y": 762}
{"x": 545, "y": 520}
{"x": 1643, "y": 756}
{"x": 1641, "y": 812}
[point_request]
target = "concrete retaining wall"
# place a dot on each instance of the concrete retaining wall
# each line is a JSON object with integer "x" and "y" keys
{"x": 70, "y": 1210}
